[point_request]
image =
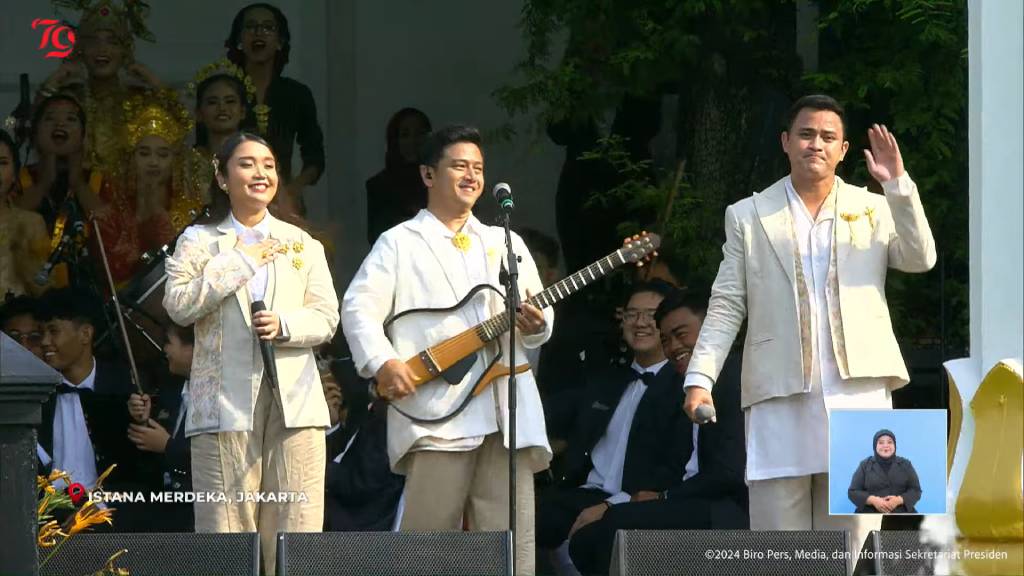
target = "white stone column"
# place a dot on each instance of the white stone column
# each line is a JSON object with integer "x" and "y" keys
{"x": 996, "y": 179}
{"x": 996, "y": 61}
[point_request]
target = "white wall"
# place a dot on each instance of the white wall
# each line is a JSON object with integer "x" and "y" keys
{"x": 363, "y": 60}
{"x": 996, "y": 53}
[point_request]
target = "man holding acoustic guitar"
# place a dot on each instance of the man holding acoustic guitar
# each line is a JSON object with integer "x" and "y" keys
{"x": 419, "y": 289}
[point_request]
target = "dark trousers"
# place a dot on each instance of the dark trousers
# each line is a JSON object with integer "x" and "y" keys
{"x": 557, "y": 511}
{"x": 591, "y": 546}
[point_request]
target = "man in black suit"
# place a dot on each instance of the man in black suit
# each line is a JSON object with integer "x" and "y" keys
{"x": 85, "y": 422}
{"x": 165, "y": 434}
{"x": 710, "y": 491}
{"x": 616, "y": 447}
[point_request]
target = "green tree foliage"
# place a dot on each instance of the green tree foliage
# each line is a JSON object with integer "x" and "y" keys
{"x": 732, "y": 68}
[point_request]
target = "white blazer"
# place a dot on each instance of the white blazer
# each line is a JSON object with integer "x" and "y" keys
{"x": 405, "y": 270}
{"x": 757, "y": 281}
{"x": 206, "y": 285}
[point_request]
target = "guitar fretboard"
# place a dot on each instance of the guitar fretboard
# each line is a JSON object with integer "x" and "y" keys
{"x": 499, "y": 324}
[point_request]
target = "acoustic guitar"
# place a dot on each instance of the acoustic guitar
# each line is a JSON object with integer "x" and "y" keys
{"x": 449, "y": 373}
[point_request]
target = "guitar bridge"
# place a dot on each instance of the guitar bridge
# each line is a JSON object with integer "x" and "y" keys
{"x": 429, "y": 363}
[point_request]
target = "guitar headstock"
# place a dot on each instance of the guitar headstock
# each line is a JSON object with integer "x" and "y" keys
{"x": 640, "y": 248}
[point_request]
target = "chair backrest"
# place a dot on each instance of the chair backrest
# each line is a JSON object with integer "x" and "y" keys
{"x": 392, "y": 553}
{"x": 729, "y": 552}
{"x": 181, "y": 554}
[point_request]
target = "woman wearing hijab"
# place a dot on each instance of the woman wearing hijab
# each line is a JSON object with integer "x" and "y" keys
{"x": 885, "y": 483}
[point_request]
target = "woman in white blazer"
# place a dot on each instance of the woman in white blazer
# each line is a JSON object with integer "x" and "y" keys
{"x": 258, "y": 449}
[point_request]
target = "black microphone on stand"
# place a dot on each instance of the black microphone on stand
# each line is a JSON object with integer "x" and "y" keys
{"x": 43, "y": 276}
{"x": 266, "y": 348}
{"x": 23, "y": 113}
{"x": 503, "y": 194}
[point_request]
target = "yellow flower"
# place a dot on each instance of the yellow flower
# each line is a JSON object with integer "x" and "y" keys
{"x": 90, "y": 515}
{"x": 297, "y": 247}
{"x": 461, "y": 241}
{"x": 109, "y": 568}
{"x": 99, "y": 481}
{"x": 48, "y": 534}
{"x": 297, "y": 263}
{"x": 849, "y": 216}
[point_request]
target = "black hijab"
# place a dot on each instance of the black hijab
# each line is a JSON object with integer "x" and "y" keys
{"x": 885, "y": 463}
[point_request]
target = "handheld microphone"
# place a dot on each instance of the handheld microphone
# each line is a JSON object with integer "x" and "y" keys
{"x": 704, "y": 413}
{"x": 266, "y": 348}
{"x": 503, "y": 194}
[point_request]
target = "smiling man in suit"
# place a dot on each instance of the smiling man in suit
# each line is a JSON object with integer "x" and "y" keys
{"x": 805, "y": 263}
{"x": 619, "y": 445}
{"x": 707, "y": 490}
{"x": 84, "y": 425}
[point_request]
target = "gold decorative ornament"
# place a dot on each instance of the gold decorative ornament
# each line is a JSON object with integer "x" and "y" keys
{"x": 461, "y": 241}
{"x": 297, "y": 263}
{"x": 225, "y": 67}
{"x": 156, "y": 114}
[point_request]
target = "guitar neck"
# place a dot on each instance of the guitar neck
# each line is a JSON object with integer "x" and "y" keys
{"x": 499, "y": 324}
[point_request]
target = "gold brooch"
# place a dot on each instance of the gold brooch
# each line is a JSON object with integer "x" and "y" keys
{"x": 297, "y": 263}
{"x": 297, "y": 247}
{"x": 870, "y": 213}
{"x": 461, "y": 241}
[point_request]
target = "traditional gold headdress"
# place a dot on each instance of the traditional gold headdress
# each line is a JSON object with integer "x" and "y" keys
{"x": 227, "y": 68}
{"x": 126, "y": 19}
{"x": 158, "y": 114}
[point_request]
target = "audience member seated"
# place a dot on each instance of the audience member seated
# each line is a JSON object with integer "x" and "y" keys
{"x": 396, "y": 193}
{"x": 83, "y": 429}
{"x": 165, "y": 434}
{"x": 19, "y": 319}
{"x": 618, "y": 445}
{"x": 710, "y": 493}
{"x": 362, "y": 493}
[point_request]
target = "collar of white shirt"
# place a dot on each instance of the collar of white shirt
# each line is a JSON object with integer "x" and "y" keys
{"x": 653, "y": 368}
{"x": 90, "y": 381}
{"x": 434, "y": 225}
{"x": 828, "y": 207}
{"x": 263, "y": 228}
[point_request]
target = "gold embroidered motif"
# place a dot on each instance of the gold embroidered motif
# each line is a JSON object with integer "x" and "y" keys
{"x": 461, "y": 241}
{"x": 297, "y": 247}
{"x": 297, "y": 263}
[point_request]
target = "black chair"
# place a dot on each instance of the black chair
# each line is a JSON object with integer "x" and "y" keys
{"x": 891, "y": 552}
{"x": 729, "y": 552}
{"x": 392, "y": 553}
{"x": 181, "y": 554}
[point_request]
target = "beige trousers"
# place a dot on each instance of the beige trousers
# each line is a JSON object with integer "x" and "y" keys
{"x": 442, "y": 487}
{"x": 801, "y": 503}
{"x": 250, "y": 468}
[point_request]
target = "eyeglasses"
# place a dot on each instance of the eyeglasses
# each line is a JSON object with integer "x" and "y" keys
{"x": 26, "y": 338}
{"x": 257, "y": 27}
{"x": 633, "y": 316}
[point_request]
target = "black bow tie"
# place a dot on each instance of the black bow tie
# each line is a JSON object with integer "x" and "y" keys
{"x": 63, "y": 388}
{"x": 647, "y": 377}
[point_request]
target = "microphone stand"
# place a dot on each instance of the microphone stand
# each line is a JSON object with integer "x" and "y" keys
{"x": 512, "y": 307}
